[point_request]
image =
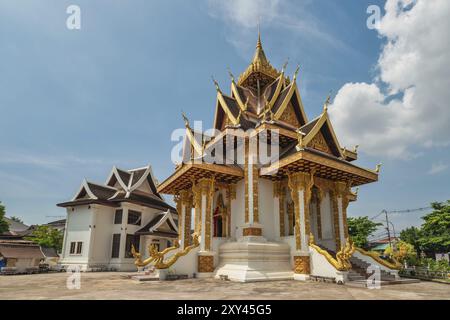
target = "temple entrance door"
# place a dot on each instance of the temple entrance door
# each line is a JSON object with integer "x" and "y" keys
{"x": 218, "y": 227}
{"x": 314, "y": 214}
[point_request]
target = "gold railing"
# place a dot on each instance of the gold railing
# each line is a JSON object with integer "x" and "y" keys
{"x": 157, "y": 258}
{"x": 375, "y": 256}
{"x": 342, "y": 260}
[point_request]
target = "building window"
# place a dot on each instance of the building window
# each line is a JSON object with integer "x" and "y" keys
{"x": 79, "y": 247}
{"x": 76, "y": 247}
{"x": 118, "y": 216}
{"x": 131, "y": 240}
{"x": 134, "y": 217}
{"x": 72, "y": 247}
{"x": 115, "y": 245}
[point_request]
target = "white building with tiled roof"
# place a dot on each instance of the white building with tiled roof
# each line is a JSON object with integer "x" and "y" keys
{"x": 105, "y": 220}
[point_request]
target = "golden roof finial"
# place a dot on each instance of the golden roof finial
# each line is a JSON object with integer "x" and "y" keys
{"x": 216, "y": 84}
{"x": 377, "y": 168}
{"x": 231, "y": 75}
{"x": 296, "y": 73}
{"x": 186, "y": 120}
{"x": 283, "y": 68}
{"x": 327, "y": 102}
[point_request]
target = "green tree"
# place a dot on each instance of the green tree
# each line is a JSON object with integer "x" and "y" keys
{"x": 16, "y": 219}
{"x": 4, "y": 226}
{"x": 404, "y": 251}
{"x": 47, "y": 237}
{"x": 411, "y": 235}
{"x": 435, "y": 231}
{"x": 360, "y": 228}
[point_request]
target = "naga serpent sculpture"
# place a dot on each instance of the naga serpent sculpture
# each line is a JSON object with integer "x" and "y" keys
{"x": 342, "y": 260}
{"x": 158, "y": 257}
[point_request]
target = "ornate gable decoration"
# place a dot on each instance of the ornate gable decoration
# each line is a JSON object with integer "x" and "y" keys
{"x": 319, "y": 143}
{"x": 289, "y": 116}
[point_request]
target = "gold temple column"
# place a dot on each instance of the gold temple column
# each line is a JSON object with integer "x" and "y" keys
{"x": 319, "y": 215}
{"x": 205, "y": 255}
{"x": 185, "y": 217}
{"x": 231, "y": 195}
{"x": 290, "y": 212}
{"x": 197, "y": 202}
{"x": 280, "y": 194}
{"x": 300, "y": 184}
{"x": 342, "y": 191}
{"x": 251, "y": 176}
{"x": 177, "y": 200}
{"x": 335, "y": 208}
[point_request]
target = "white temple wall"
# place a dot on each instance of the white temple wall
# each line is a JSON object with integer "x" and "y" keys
{"x": 266, "y": 209}
{"x": 238, "y": 211}
{"x": 102, "y": 236}
{"x": 77, "y": 231}
{"x": 326, "y": 217}
{"x": 290, "y": 240}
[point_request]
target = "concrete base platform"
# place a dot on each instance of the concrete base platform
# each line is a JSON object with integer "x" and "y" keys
{"x": 363, "y": 283}
{"x": 254, "y": 259}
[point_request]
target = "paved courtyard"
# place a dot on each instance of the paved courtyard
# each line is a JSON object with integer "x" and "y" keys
{"x": 109, "y": 285}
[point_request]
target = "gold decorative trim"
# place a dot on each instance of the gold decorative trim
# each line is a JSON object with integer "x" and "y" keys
{"x": 205, "y": 263}
{"x": 157, "y": 258}
{"x": 251, "y": 231}
{"x": 296, "y": 182}
{"x": 302, "y": 265}
{"x": 375, "y": 256}
{"x": 342, "y": 261}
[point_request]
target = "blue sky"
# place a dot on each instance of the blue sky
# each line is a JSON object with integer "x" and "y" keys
{"x": 73, "y": 103}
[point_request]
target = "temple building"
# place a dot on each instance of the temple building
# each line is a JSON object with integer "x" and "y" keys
{"x": 267, "y": 193}
{"x": 105, "y": 220}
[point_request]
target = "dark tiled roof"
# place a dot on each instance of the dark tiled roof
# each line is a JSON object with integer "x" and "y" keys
{"x": 49, "y": 252}
{"x": 57, "y": 222}
{"x": 281, "y": 98}
{"x": 137, "y": 174}
{"x": 21, "y": 249}
{"x": 151, "y": 201}
{"x": 146, "y": 229}
{"x": 101, "y": 192}
{"x": 232, "y": 105}
{"x": 309, "y": 126}
{"x": 124, "y": 175}
{"x": 269, "y": 91}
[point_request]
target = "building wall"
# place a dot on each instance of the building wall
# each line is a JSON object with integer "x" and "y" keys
{"x": 326, "y": 216}
{"x": 97, "y": 242}
{"x": 266, "y": 209}
{"x": 102, "y": 235}
{"x": 238, "y": 211}
{"x": 77, "y": 230}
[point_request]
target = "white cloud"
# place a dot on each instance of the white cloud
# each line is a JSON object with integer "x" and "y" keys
{"x": 437, "y": 168}
{"x": 412, "y": 109}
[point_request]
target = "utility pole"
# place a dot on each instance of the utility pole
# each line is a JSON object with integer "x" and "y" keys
{"x": 387, "y": 228}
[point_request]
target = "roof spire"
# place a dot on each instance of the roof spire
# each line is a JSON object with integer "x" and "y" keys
{"x": 260, "y": 56}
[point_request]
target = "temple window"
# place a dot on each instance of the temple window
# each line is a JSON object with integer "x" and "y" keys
{"x": 118, "y": 216}
{"x": 134, "y": 217}
{"x": 115, "y": 245}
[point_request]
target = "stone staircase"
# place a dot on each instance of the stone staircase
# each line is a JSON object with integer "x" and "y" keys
{"x": 359, "y": 267}
{"x": 358, "y": 275}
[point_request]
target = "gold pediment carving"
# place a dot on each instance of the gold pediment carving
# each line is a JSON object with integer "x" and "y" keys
{"x": 319, "y": 143}
{"x": 289, "y": 116}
